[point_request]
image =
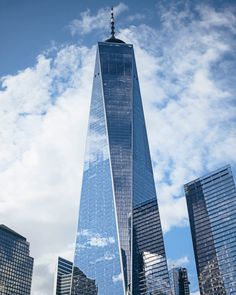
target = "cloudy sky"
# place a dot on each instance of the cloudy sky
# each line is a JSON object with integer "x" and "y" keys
{"x": 185, "y": 54}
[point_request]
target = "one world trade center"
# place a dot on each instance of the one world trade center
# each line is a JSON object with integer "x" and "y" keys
{"x": 119, "y": 244}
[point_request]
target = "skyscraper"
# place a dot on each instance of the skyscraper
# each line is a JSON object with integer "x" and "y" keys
{"x": 179, "y": 281}
{"x": 211, "y": 204}
{"x": 63, "y": 277}
{"x": 16, "y": 266}
{"x": 119, "y": 241}
{"x": 65, "y": 285}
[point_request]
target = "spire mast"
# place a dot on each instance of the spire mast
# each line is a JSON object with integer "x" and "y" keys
{"x": 113, "y": 39}
{"x": 112, "y": 24}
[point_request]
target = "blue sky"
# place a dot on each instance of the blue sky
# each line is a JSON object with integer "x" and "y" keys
{"x": 185, "y": 53}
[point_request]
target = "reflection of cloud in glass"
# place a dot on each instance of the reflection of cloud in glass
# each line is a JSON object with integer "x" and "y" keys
{"x": 101, "y": 242}
{"x": 94, "y": 239}
{"x": 106, "y": 257}
{"x": 97, "y": 147}
{"x": 117, "y": 278}
{"x": 151, "y": 262}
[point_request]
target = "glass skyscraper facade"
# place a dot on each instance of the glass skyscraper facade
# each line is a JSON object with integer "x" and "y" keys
{"x": 179, "y": 281}
{"x": 63, "y": 277}
{"x": 79, "y": 284}
{"x": 16, "y": 266}
{"x": 119, "y": 240}
{"x": 211, "y": 204}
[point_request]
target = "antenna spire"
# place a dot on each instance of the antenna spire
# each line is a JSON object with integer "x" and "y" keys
{"x": 113, "y": 39}
{"x": 112, "y": 23}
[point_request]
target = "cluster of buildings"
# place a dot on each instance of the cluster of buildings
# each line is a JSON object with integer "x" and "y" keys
{"x": 119, "y": 243}
{"x": 211, "y": 204}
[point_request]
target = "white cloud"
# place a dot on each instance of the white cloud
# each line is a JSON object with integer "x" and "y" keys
{"x": 217, "y": 19}
{"x": 136, "y": 16}
{"x": 190, "y": 110}
{"x": 40, "y": 175}
{"x": 181, "y": 262}
{"x": 87, "y": 22}
{"x": 195, "y": 293}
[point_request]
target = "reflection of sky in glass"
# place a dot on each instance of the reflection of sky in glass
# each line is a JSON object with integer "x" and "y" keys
{"x": 212, "y": 210}
{"x": 116, "y": 65}
{"x": 97, "y": 252}
{"x": 149, "y": 256}
{"x": 141, "y": 262}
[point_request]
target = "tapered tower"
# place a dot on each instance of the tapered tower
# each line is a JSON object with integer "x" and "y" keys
{"x": 119, "y": 241}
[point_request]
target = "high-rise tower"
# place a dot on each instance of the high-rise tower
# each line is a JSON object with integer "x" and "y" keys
{"x": 119, "y": 241}
{"x": 63, "y": 277}
{"x": 16, "y": 265}
{"x": 66, "y": 284}
{"x": 179, "y": 281}
{"x": 211, "y": 204}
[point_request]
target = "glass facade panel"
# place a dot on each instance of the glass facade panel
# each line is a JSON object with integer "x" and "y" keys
{"x": 119, "y": 240}
{"x": 117, "y": 87}
{"x": 211, "y": 205}
{"x": 16, "y": 266}
{"x": 179, "y": 281}
{"x": 63, "y": 277}
{"x": 97, "y": 251}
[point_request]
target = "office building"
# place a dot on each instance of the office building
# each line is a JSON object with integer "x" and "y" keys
{"x": 64, "y": 285}
{"x": 119, "y": 242}
{"x": 63, "y": 277}
{"x": 211, "y": 204}
{"x": 16, "y": 266}
{"x": 179, "y": 281}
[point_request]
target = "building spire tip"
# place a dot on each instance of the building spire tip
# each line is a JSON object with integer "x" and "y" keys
{"x": 112, "y": 23}
{"x": 113, "y": 38}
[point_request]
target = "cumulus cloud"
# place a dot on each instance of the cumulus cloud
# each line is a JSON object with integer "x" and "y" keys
{"x": 188, "y": 91}
{"x": 40, "y": 175}
{"x": 189, "y": 104}
{"x": 87, "y": 22}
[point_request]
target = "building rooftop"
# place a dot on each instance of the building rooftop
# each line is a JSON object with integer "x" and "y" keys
{"x": 10, "y": 231}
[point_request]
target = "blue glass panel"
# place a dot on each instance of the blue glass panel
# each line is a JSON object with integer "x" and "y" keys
{"x": 97, "y": 251}
{"x": 211, "y": 204}
{"x": 116, "y": 64}
{"x": 150, "y": 274}
{"x": 118, "y": 183}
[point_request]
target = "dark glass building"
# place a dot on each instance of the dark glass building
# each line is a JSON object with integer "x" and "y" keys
{"x": 211, "y": 204}
{"x": 63, "y": 277}
{"x": 119, "y": 241}
{"x": 179, "y": 281}
{"x": 80, "y": 285}
{"x": 16, "y": 266}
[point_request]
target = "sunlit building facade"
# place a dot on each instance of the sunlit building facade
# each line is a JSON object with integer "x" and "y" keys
{"x": 119, "y": 240}
{"x": 211, "y": 204}
{"x": 16, "y": 265}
